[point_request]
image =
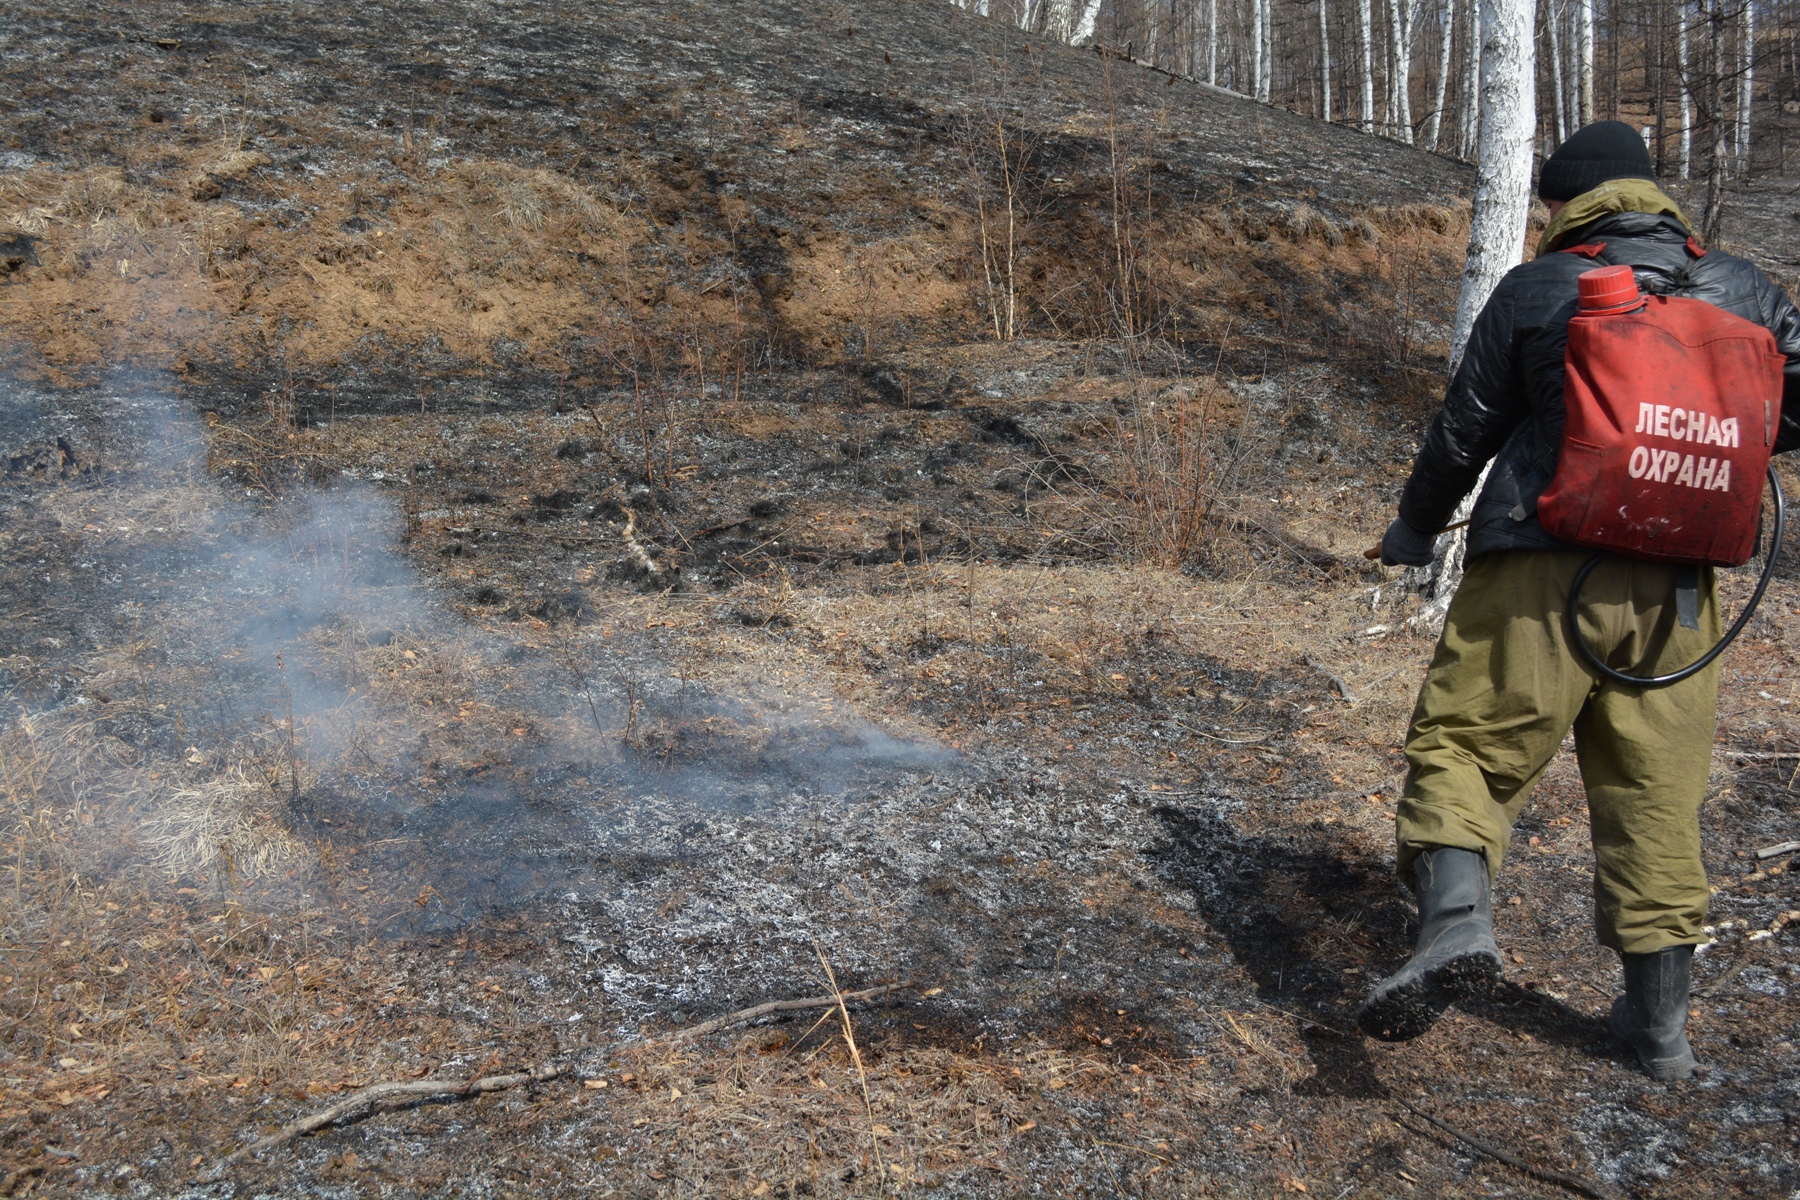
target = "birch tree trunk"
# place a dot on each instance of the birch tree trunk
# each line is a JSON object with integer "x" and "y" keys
{"x": 1260, "y": 48}
{"x": 1407, "y": 14}
{"x": 1497, "y": 231}
{"x": 1435, "y": 123}
{"x": 1325, "y": 61}
{"x": 1584, "y": 38}
{"x": 1556, "y": 71}
{"x": 1212, "y": 41}
{"x": 1684, "y": 69}
{"x": 1471, "y": 114}
{"x": 1715, "y": 170}
{"x": 1391, "y": 100}
{"x": 1363, "y": 21}
{"x": 1084, "y": 22}
{"x": 1746, "y": 90}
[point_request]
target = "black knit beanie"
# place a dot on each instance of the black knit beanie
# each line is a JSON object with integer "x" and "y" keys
{"x": 1601, "y": 151}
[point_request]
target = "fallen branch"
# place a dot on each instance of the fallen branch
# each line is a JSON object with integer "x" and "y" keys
{"x": 362, "y": 1103}
{"x": 1342, "y": 687}
{"x": 775, "y": 1006}
{"x": 1573, "y": 1182}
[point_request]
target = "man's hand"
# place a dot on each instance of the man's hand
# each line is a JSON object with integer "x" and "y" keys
{"x": 1402, "y": 546}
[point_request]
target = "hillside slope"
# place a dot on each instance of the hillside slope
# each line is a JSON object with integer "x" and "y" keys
{"x": 523, "y": 529}
{"x": 544, "y": 187}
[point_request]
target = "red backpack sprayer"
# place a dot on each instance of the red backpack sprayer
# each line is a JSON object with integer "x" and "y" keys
{"x": 1671, "y": 408}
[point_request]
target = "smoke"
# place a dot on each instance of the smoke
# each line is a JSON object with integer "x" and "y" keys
{"x": 320, "y": 694}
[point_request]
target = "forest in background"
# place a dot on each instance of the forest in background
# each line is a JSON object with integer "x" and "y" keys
{"x": 1708, "y": 80}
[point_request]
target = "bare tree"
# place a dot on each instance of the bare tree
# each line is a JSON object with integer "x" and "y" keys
{"x": 1746, "y": 79}
{"x": 1584, "y": 43}
{"x": 1212, "y": 42}
{"x": 1435, "y": 122}
{"x": 1403, "y": 19}
{"x": 1260, "y": 58}
{"x": 1471, "y": 115}
{"x": 1324, "y": 61}
{"x": 1556, "y": 71}
{"x": 1363, "y": 35}
{"x": 1715, "y": 170}
{"x": 1684, "y": 70}
{"x": 1497, "y": 230}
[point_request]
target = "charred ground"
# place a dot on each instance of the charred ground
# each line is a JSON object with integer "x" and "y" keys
{"x": 518, "y": 536}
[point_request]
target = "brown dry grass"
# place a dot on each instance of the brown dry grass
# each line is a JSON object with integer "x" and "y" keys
{"x": 481, "y": 261}
{"x": 182, "y": 999}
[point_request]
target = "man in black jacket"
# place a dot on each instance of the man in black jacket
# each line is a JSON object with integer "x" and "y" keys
{"x": 1506, "y": 683}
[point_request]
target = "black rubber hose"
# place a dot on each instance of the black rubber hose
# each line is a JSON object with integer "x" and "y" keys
{"x": 1699, "y": 664}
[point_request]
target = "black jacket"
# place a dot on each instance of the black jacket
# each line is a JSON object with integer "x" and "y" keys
{"x": 1506, "y": 399}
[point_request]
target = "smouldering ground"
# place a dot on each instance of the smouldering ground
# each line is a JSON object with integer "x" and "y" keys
{"x": 517, "y": 536}
{"x": 330, "y": 787}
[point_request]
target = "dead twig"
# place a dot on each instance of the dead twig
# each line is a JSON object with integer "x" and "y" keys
{"x": 775, "y": 1006}
{"x": 1342, "y": 687}
{"x": 361, "y": 1104}
{"x": 856, "y": 1057}
{"x": 1573, "y": 1182}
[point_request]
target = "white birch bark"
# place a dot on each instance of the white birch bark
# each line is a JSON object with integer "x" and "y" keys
{"x": 1364, "y": 19}
{"x": 1212, "y": 41}
{"x": 1715, "y": 170}
{"x": 1746, "y": 90}
{"x": 1683, "y": 71}
{"x": 1556, "y": 71}
{"x": 1471, "y": 114}
{"x": 1435, "y": 122}
{"x": 1391, "y": 101}
{"x": 1264, "y": 57}
{"x": 1584, "y": 33}
{"x": 1325, "y": 61}
{"x": 1403, "y": 21}
{"x": 1084, "y": 21}
{"x": 1497, "y": 231}
{"x": 1256, "y": 41}
{"x": 1410, "y": 13}
{"x": 1571, "y": 69}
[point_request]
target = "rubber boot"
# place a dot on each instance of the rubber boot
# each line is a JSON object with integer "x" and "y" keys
{"x": 1652, "y": 1014}
{"x": 1455, "y": 957}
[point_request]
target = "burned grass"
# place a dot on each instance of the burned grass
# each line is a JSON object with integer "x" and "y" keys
{"x": 515, "y": 559}
{"x": 1132, "y": 823}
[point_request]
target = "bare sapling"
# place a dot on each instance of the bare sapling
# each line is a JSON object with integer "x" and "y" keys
{"x": 997, "y": 161}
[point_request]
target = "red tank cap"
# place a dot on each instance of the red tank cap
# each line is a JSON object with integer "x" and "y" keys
{"x": 1607, "y": 289}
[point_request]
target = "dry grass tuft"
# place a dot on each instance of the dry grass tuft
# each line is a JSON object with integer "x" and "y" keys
{"x": 229, "y": 826}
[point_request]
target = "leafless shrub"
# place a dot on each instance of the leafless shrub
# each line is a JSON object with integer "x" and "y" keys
{"x": 997, "y": 154}
{"x": 1166, "y": 458}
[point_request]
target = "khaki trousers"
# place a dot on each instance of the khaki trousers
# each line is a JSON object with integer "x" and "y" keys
{"x": 1506, "y": 685}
